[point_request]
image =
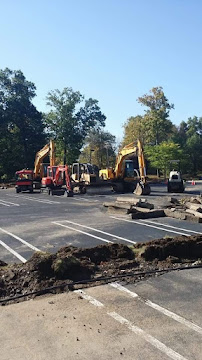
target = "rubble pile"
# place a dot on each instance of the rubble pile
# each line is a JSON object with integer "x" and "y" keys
{"x": 189, "y": 208}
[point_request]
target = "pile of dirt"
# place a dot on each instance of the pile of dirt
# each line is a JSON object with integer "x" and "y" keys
{"x": 70, "y": 264}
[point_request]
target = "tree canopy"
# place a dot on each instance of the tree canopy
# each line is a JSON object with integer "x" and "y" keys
{"x": 156, "y": 121}
{"x": 70, "y": 119}
{"x": 99, "y": 148}
{"x": 21, "y": 125}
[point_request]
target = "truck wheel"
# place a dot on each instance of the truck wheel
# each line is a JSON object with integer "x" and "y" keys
{"x": 17, "y": 190}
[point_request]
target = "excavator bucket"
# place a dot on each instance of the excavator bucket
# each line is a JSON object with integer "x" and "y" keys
{"x": 142, "y": 189}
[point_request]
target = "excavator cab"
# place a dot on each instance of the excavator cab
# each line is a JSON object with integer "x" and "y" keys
{"x": 83, "y": 172}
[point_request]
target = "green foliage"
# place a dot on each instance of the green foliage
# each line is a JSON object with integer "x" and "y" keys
{"x": 156, "y": 123}
{"x": 99, "y": 149}
{"x": 69, "y": 123}
{"x": 189, "y": 136}
{"x": 160, "y": 155}
{"x": 134, "y": 129}
{"x": 21, "y": 125}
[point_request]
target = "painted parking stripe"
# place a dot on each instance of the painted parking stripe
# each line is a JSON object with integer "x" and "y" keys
{"x": 149, "y": 225}
{"x": 173, "y": 227}
{"x": 82, "y": 232}
{"x": 159, "y": 308}
{"x": 82, "y": 199}
{"x": 100, "y": 231}
{"x": 92, "y": 300}
{"x": 9, "y": 202}
{"x": 1, "y": 203}
{"x": 147, "y": 337}
{"x": 20, "y": 239}
{"x": 138, "y": 331}
{"x": 45, "y": 201}
{"x": 21, "y": 258}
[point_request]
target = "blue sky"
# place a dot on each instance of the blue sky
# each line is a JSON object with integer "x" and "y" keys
{"x": 110, "y": 50}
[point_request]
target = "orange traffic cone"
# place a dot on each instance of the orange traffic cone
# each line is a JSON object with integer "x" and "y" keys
{"x": 193, "y": 182}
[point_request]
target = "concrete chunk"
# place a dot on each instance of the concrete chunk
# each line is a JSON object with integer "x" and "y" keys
{"x": 195, "y": 213}
{"x": 148, "y": 215}
{"x": 195, "y": 207}
{"x": 130, "y": 200}
{"x": 175, "y": 214}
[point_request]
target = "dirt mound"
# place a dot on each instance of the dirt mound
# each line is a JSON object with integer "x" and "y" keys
{"x": 71, "y": 264}
{"x": 182, "y": 247}
{"x": 2, "y": 263}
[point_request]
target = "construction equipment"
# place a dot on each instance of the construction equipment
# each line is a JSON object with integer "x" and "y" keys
{"x": 175, "y": 182}
{"x": 27, "y": 180}
{"x": 124, "y": 177}
{"x": 40, "y": 155}
{"x": 82, "y": 175}
{"x": 57, "y": 181}
{"x": 24, "y": 180}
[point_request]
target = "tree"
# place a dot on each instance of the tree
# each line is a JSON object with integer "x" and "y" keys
{"x": 189, "y": 136}
{"x": 157, "y": 125}
{"x": 99, "y": 149}
{"x": 160, "y": 155}
{"x": 133, "y": 130}
{"x": 69, "y": 124}
{"x": 21, "y": 125}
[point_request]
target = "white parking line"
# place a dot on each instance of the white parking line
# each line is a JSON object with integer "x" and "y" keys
{"x": 147, "y": 337}
{"x": 152, "y": 226}
{"x": 102, "y": 232}
{"x": 13, "y": 251}
{"x": 45, "y": 201}
{"x": 92, "y": 300}
{"x": 173, "y": 227}
{"x": 82, "y": 232}
{"x": 150, "y": 339}
{"x": 21, "y": 240}
{"x": 159, "y": 308}
{"x": 4, "y": 204}
{"x": 9, "y": 202}
{"x": 88, "y": 200}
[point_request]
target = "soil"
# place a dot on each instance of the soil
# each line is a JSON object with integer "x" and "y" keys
{"x": 70, "y": 264}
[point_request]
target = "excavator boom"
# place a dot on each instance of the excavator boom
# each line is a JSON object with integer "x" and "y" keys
{"x": 41, "y": 154}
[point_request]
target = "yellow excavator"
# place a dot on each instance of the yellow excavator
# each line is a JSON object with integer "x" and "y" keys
{"x": 40, "y": 156}
{"x": 27, "y": 180}
{"x": 124, "y": 177}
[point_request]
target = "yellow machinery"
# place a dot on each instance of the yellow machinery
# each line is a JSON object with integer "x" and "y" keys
{"x": 40, "y": 155}
{"x": 124, "y": 177}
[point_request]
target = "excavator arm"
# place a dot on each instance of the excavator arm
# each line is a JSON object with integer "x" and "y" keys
{"x": 136, "y": 149}
{"x": 41, "y": 154}
{"x": 129, "y": 149}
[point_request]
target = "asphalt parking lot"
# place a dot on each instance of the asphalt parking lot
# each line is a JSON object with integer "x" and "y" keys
{"x": 156, "y": 319}
{"x": 30, "y": 222}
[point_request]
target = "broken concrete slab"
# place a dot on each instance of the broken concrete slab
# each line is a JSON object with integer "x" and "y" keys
{"x": 193, "y": 212}
{"x": 175, "y": 214}
{"x": 131, "y": 200}
{"x": 118, "y": 205}
{"x": 147, "y": 215}
{"x": 195, "y": 207}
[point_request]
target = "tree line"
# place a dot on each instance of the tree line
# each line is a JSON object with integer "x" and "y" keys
{"x": 163, "y": 141}
{"x": 72, "y": 122}
{"x": 77, "y": 125}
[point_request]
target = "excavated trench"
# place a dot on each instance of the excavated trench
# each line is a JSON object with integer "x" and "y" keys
{"x": 69, "y": 264}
